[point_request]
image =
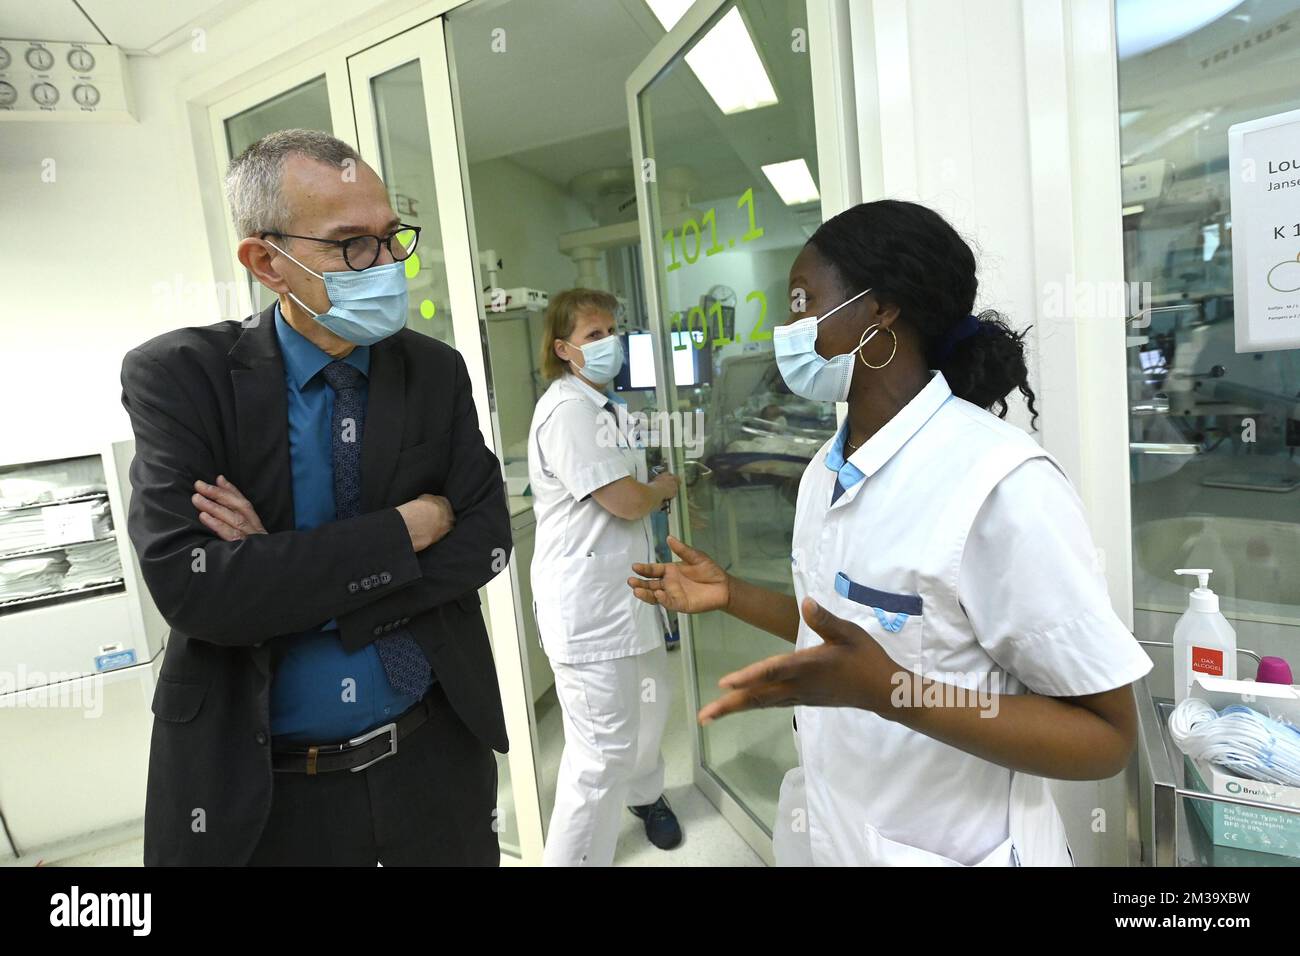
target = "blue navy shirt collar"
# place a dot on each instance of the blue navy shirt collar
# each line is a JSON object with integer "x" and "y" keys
{"x": 303, "y": 359}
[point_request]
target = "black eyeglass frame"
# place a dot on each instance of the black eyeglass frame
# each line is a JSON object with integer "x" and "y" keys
{"x": 380, "y": 242}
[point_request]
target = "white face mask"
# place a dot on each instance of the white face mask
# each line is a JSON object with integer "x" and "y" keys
{"x": 807, "y": 373}
{"x": 601, "y": 360}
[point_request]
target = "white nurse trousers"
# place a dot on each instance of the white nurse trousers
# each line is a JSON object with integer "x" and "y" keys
{"x": 614, "y": 717}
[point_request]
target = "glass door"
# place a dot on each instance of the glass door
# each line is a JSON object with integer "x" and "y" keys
{"x": 724, "y": 138}
{"x": 401, "y": 98}
{"x": 1213, "y": 428}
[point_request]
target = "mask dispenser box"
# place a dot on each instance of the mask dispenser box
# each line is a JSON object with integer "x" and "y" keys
{"x": 1229, "y": 825}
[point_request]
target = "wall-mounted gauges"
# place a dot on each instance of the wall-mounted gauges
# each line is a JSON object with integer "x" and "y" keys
{"x": 46, "y": 94}
{"x": 81, "y": 59}
{"x": 45, "y": 80}
{"x": 39, "y": 58}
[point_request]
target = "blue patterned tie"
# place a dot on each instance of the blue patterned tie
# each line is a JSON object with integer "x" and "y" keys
{"x": 404, "y": 663}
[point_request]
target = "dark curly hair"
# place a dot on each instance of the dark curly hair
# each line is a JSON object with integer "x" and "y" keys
{"x": 912, "y": 258}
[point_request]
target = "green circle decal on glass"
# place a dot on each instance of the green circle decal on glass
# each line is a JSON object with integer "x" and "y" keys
{"x": 412, "y": 265}
{"x": 427, "y": 308}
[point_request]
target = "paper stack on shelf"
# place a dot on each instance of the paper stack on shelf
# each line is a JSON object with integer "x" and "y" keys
{"x": 92, "y": 563}
{"x": 27, "y": 577}
{"x": 20, "y": 530}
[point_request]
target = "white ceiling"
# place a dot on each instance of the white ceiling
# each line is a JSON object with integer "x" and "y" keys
{"x": 135, "y": 25}
{"x": 555, "y": 100}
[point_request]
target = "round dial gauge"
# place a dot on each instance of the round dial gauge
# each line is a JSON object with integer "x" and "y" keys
{"x": 8, "y": 95}
{"x": 5, "y": 59}
{"x": 83, "y": 61}
{"x": 45, "y": 94}
{"x": 85, "y": 94}
{"x": 40, "y": 59}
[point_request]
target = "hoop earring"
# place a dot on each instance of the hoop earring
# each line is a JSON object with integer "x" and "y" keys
{"x": 863, "y": 341}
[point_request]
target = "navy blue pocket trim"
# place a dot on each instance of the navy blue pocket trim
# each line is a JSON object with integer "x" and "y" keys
{"x": 909, "y": 604}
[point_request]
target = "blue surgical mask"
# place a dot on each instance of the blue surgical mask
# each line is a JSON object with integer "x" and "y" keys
{"x": 807, "y": 373}
{"x": 601, "y": 359}
{"x": 365, "y": 307}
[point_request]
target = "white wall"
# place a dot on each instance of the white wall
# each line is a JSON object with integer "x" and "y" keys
{"x": 98, "y": 219}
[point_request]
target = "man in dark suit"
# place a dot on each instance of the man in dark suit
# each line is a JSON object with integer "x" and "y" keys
{"x": 314, "y": 510}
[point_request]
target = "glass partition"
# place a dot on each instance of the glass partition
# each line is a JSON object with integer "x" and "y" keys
{"x": 552, "y": 199}
{"x": 730, "y": 159}
{"x": 304, "y": 107}
{"x": 1213, "y": 431}
{"x": 391, "y": 85}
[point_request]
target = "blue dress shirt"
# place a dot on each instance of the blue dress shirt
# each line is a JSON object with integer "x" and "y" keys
{"x": 321, "y": 693}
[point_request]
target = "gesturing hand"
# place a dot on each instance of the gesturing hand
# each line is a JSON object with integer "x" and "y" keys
{"x": 225, "y": 511}
{"x": 849, "y": 670}
{"x": 693, "y": 585}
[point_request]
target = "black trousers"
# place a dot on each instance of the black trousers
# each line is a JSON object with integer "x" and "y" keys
{"x": 430, "y": 804}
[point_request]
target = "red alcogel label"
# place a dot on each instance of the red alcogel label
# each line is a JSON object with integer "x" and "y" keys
{"x": 1207, "y": 660}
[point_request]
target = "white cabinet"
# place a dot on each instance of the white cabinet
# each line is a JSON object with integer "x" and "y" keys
{"x": 79, "y": 636}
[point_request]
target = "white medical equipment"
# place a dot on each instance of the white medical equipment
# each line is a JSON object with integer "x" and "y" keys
{"x": 1239, "y": 739}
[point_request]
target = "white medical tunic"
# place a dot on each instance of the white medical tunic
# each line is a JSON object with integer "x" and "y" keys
{"x": 583, "y": 555}
{"x": 956, "y": 542}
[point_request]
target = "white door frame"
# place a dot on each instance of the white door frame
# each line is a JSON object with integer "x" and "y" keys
{"x": 426, "y": 44}
{"x": 837, "y": 148}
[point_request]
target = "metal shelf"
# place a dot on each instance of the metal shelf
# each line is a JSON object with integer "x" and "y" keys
{"x": 42, "y": 549}
{"x": 1161, "y": 830}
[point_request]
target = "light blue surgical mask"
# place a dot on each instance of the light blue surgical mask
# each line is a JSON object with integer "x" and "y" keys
{"x": 807, "y": 373}
{"x": 365, "y": 307}
{"x": 601, "y": 359}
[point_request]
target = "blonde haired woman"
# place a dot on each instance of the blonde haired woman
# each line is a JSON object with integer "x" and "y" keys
{"x": 592, "y": 502}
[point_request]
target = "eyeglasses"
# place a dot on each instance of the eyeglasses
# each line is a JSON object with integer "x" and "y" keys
{"x": 362, "y": 252}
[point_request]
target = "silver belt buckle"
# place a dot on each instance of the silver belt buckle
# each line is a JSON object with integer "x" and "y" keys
{"x": 390, "y": 729}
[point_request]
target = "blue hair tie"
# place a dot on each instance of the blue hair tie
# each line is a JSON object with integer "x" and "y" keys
{"x": 964, "y": 329}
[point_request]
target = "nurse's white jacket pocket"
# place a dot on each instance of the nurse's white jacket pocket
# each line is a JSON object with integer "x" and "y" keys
{"x": 597, "y": 608}
{"x": 894, "y": 619}
{"x": 879, "y": 850}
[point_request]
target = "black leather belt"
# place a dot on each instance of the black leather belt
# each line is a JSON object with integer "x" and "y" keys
{"x": 359, "y": 752}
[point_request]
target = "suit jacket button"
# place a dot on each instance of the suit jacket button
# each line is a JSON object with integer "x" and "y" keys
{"x": 385, "y": 577}
{"x": 365, "y": 583}
{"x": 261, "y": 737}
{"x": 352, "y": 587}
{"x": 378, "y": 630}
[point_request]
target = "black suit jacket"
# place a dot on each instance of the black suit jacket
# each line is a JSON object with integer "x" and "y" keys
{"x": 212, "y": 400}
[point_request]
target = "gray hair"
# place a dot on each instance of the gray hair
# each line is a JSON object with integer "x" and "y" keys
{"x": 253, "y": 180}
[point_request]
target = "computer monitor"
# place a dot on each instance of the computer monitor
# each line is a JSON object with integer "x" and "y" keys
{"x": 638, "y": 372}
{"x": 692, "y": 361}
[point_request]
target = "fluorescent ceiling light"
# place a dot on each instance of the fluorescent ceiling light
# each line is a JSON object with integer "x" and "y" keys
{"x": 668, "y": 12}
{"x": 1144, "y": 25}
{"x": 792, "y": 181}
{"x": 725, "y": 61}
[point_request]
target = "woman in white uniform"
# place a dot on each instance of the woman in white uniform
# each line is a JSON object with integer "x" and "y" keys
{"x": 955, "y": 644}
{"x": 592, "y": 501}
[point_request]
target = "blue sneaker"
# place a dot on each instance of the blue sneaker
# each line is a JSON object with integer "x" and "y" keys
{"x": 661, "y": 826}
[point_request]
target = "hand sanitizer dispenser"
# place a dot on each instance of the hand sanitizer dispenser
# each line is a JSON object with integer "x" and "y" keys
{"x": 1204, "y": 641}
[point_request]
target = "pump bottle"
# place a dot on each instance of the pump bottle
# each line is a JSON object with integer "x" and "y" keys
{"x": 1204, "y": 641}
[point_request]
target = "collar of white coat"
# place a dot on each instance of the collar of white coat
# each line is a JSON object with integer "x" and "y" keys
{"x": 595, "y": 396}
{"x": 882, "y": 446}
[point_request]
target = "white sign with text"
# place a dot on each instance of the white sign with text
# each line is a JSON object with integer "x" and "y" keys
{"x": 1264, "y": 158}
